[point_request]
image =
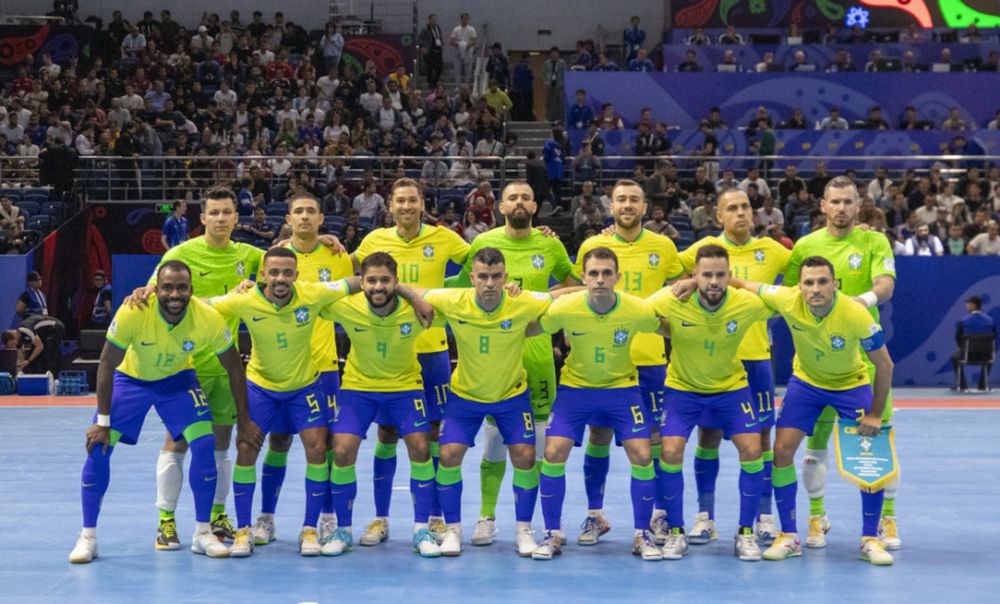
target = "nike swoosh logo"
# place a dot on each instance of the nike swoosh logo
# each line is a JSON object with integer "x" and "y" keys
{"x": 211, "y": 478}
{"x": 424, "y": 485}
{"x": 312, "y": 419}
{"x": 763, "y": 418}
{"x": 202, "y": 274}
{"x": 85, "y": 485}
{"x": 418, "y": 424}
{"x": 203, "y": 412}
{"x": 320, "y": 494}
{"x": 579, "y": 333}
{"x": 461, "y": 322}
{"x": 647, "y": 498}
{"x": 637, "y": 429}
{"x": 148, "y": 343}
{"x": 528, "y": 435}
{"x": 797, "y": 328}
{"x": 750, "y": 425}
{"x": 686, "y": 324}
{"x": 255, "y": 319}
{"x": 359, "y": 329}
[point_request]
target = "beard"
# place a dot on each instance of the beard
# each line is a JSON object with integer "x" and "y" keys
{"x": 520, "y": 219}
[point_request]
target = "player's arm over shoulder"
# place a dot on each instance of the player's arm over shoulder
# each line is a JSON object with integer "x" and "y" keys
{"x": 122, "y": 327}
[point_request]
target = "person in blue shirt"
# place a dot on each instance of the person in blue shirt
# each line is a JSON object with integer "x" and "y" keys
{"x": 100, "y": 316}
{"x": 175, "y": 227}
{"x": 552, "y": 153}
{"x": 975, "y": 323}
{"x": 32, "y": 301}
{"x": 633, "y": 38}
{"x": 522, "y": 90}
{"x": 641, "y": 62}
{"x": 580, "y": 113}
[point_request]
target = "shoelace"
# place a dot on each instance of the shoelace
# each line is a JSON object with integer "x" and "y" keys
{"x": 169, "y": 529}
{"x": 373, "y": 526}
{"x": 589, "y": 524}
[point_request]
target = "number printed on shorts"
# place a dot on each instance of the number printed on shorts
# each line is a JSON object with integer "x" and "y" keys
{"x": 441, "y": 393}
{"x": 748, "y": 409}
{"x": 655, "y": 398}
{"x": 529, "y": 421}
{"x": 313, "y": 403}
{"x": 418, "y": 404}
{"x": 198, "y": 397}
{"x": 764, "y": 398}
{"x": 637, "y": 417}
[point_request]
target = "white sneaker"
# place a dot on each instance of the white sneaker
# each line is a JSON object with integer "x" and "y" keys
{"x": 676, "y": 546}
{"x": 888, "y": 533}
{"x": 263, "y": 530}
{"x": 242, "y": 545}
{"x": 819, "y": 526}
{"x": 767, "y": 529}
{"x": 451, "y": 542}
{"x": 874, "y": 552}
{"x": 659, "y": 527}
{"x": 486, "y": 531}
{"x": 309, "y": 542}
{"x": 524, "y": 541}
{"x": 425, "y": 544}
{"x": 338, "y": 543}
{"x": 644, "y": 546}
{"x": 84, "y": 551}
{"x": 550, "y": 547}
{"x": 377, "y": 532}
{"x": 560, "y": 535}
{"x": 206, "y": 543}
{"x": 703, "y": 530}
{"x": 594, "y": 525}
{"x": 745, "y": 546}
{"x": 786, "y": 545}
{"x": 327, "y": 524}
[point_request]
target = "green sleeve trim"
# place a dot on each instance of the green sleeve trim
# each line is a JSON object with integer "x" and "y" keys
{"x": 317, "y": 472}
{"x": 767, "y": 456}
{"x": 553, "y": 470}
{"x": 449, "y": 476}
{"x": 422, "y": 470}
{"x": 671, "y": 468}
{"x": 197, "y": 430}
{"x": 385, "y": 451}
{"x": 276, "y": 459}
{"x": 753, "y": 467}
{"x": 598, "y": 450}
{"x": 345, "y": 475}
{"x": 782, "y": 477}
{"x": 645, "y": 472}
{"x": 526, "y": 479}
{"x": 245, "y": 474}
{"x": 116, "y": 343}
{"x": 706, "y": 454}
{"x": 226, "y": 349}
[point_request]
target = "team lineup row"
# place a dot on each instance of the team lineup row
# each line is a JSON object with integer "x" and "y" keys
{"x": 397, "y": 374}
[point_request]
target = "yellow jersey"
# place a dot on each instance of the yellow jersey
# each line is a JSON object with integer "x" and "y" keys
{"x": 323, "y": 266}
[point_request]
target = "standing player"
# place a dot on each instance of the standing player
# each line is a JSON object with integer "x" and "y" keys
{"x": 759, "y": 260}
{"x": 283, "y": 388}
{"x": 648, "y": 261}
{"x": 829, "y": 331}
{"x": 489, "y": 328}
{"x": 382, "y": 377}
{"x": 866, "y": 270}
{"x": 317, "y": 263}
{"x": 422, "y": 253}
{"x": 600, "y": 385}
{"x": 532, "y": 259}
{"x": 147, "y": 362}
{"x": 706, "y": 384}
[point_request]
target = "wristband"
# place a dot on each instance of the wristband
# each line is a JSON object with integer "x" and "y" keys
{"x": 870, "y": 299}
{"x": 103, "y": 421}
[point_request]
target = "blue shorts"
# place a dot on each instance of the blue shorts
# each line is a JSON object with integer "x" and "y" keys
{"x": 619, "y": 408}
{"x": 761, "y": 381}
{"x": 651, "y": 380}
{"x": 329, "y": 383}
{"x": 435, "y": 369}
{"x": 733, "y": 412}
{"x": 287, "y": 412}
{"x": 178, "y": 400}
{"x": 356, "y": 410}
{"x": 804, "y": 402}
{"x": 513, "y": 417}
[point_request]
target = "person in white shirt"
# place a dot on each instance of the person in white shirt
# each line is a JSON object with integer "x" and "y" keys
{"x": 833, "y": 121}
{"x": 226, "y": 38}
{"x": 948, "y": 198}
{"x": 201, "y": 42}
{"x": 986, "y": 244}
{"x": 753, "y": 176}
{"x": 134, "y": 43}
{"x": 370, "y": 100}
{"x": 923, "y": 243}
{"x": 769, "y": 214}
{"x": 463, "y": 38}
{"x": 225, "y": 98}
{"x": 12, "y": 130}
{"x": 132, "y": 101}
{"x": 328, "y": 84}
{"x": 287, "y": 113}
{"x": 878, "y": 188}
{"x": 927, "y": 213}
{"x": 84, "y": 142}
{"x": 368, "y": 203}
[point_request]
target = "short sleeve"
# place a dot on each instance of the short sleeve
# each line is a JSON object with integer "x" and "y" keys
{"x": 458, "y": 248}
{"x": 552, "y": 319}
{"x": 647, "y": 319}
{"x": 366, "y": 248}
{"x": 563, "y": 267}
{"x": 782, "y": 255}
{"x": 662, "y": 302}
{"x": 121, "y": 329}
{"x": 330, "y": 292}
{"x": 255, "y": 257}
{"x": 673, "y": 267}
{"x": 171, "y": 254}
{"x": 775, "y": 297}
{"x": 687, "y": 258}
{"x": 228, "y": 306}
{"x": 542, "y": 302}
{"x": 792, "y": 267}
{"x": 440, "y": 298}
{"x": 223, "y": 339}
{"x": 883, "y": 262}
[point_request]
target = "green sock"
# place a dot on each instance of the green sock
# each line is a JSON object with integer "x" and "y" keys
{"x": 218, "y": 509}
{"x": 889, "y": 507}
{"x": 491, "y": 475}
{"x": 816, "y": 506}
{"x": 166, "y": 515}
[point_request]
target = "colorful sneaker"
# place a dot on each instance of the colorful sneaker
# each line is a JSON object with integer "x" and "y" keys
{"x": 703, "y": 530}
{"x": 888, "y": 533}
{"x": 166, "y": 535}
{"x": 874, "y": 552}
{"x": 263, "y": 530}
{"x": 340, "y": 542}
{"x": 644, "y": 546}
{"x": 594, "y": 526}
{"x": 486, "y": 531}
{"x": 309, "y": 542}
{"x": 207, "y": 544}
{"x": 819, "y": 526}
{"x": 437, "y": 527}
{"x": 242, "y": 545}
{"x": 425, "y": 544}
{"x": 676, "y": 546}
{"x": 550, "y": 547}
{"x": 327, "y": 524}
{"x": 84, "y": 551}
{"x": 377, "y": 532}
{"x": 658, "y": 525}
{"x": 745, "y": 545}
{"x": 786, "y": 545}
{"x": 223, "y": 528}
{"x": 451, "y": 542}
{"x": 766, "y": 529}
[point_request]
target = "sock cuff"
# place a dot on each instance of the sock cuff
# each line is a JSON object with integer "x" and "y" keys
{"x": 422, "y": 470}
{"x": 767, "y": 456}
{"x": 221, "y": 456}
{"x": 486, "y": 464}
{"x": 553, "y": 470}
{"x": 526, "y": 479}
{"x": 435, "y": 449}
{"x": 318, "y": 472}
{"x": 245, "y": 474}
{"x": 449, "y": 476}
{"x": 174, "y": 456}
{"x": 753, "y": 466}
{"x": 706, "y": 454}
{"x": 671, "y": 468}
{"x": 343, "y": 475}
{"x": 385, "y": 451}
{"x": 782, "y": 477}
{"x": 645, "y": 472}
{"x": 276, "y": 459}
{"x": 598, "y": 450}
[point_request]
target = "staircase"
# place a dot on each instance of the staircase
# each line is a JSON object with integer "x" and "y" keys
{"x": 530, "y": 135}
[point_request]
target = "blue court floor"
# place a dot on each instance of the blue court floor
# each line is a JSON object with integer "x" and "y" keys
{"x": 947, "y": 509}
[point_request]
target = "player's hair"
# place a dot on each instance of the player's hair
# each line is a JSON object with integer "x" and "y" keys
{"x": 173, "y": 265}
{"x": 627, "y": 182}
{"x": 516, "y": 182}
{"x": 100, "y": 273}
{"x": 975, "y": 301}
{"x": 279, "y": 252}
{"x": 489, "y": 256}
{"x": 840, "y": 182}
{"x": 303, "y": 195}
{"x": 711, "y": 251}
{"x": 727, "y": 191}
{"x": 177, "y": 204}
{"x": 10, "y": 336}
{"x": 34, "y": 276}
{"x": 378, "y": 259}
{"x": 815, "y": 261}
{"x": 405, "y": 182}
{"x": 220, "y": 193}
{"x": 600, "y": 253}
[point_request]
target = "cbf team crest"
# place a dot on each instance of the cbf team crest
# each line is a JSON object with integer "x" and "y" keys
{"x": 428, "y": 251}
{"x": 837, "y": 342}
{"x": 538, "y": 261}
{"x": 302, "y": 315}
{"x": 621, "y": 336}
{"x": 732, "y": 326}
{"x": 506, "y": 324}
{"x": 854, "y": 261}
{"x": 654, "y": 259}
{"x": 406, "y": 329}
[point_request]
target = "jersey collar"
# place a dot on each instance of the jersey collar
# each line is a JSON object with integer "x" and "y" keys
{"x": 614, "y": 307}
{"x": 415, "y": 237}
{"x": 503, "y": 300}
{"x": 725, "y": 298}
{"x": 298, "y": 251}
{"x": 836, "y": 300}
{"x": 291, "y": 301}
{"x": 733, "y": 243}
{"x": 642, "y": 233}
